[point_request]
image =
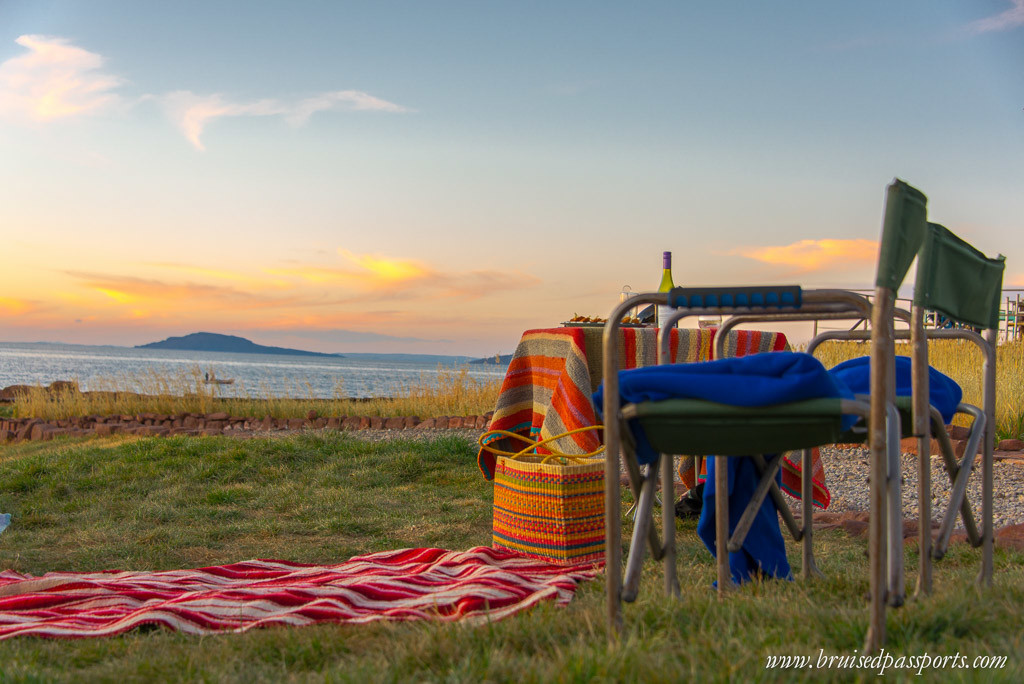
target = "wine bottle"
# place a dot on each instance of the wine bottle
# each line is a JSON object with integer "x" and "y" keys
{"x": 665, "y": 312}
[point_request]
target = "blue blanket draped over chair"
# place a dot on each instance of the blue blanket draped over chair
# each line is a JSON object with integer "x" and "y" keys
{"x": 943, "y": 391}
{"x": 764, "y": 550}
{"x": 756, "y": 380}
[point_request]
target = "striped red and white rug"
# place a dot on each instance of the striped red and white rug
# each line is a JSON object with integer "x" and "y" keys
{"x": 477, "y": 585}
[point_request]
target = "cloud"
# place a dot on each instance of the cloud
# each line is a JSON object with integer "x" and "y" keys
{"x": 342, "y": 99}
{"x": 54, "y": 80}
{"x": 10, "y": 306}
{"x": 342, "y": 336}
{"x": 389, "y": 277}
{"x": 257, "y": 281}
{"x": 192, "y": 112}
{"x": 813, "y": 255}
{"x": 1008, "y": 19}
{"x": 159, "y": 295}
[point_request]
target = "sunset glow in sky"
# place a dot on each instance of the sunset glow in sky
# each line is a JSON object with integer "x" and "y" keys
{"x": 439, "y": 177}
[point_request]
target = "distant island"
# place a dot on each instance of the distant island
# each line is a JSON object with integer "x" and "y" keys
{"x": 214, "y": 342}
{"x": 496, "y": 360}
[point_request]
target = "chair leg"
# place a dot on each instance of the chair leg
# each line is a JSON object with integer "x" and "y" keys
{"x": 641, "y": 528}
{"x": 953, "y": 468}
{"x": 809, "y": 567}
{"x": 725, "y": 582}
{"x": 987, "y": 483}
{"x": 921, "y": 423}
{"x": 636, "y": 480}
{"x": 896, "y": 587}
{"x": 668, "y": 524}
{"x": 987, "y": 531}
{"x": 612, "y": 535}
{"x": 780, "y": 501}
{"x": 958, "y": 476}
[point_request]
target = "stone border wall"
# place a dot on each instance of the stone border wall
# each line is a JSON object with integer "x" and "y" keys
{"x": 158, "y": 424}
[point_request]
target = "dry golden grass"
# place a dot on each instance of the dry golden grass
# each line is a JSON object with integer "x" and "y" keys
{"x": 455, "y": 393}
{"x": 961, "y": 361}
{"x": 450, "y": 393}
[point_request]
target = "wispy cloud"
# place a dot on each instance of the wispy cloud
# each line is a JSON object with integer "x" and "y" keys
{"x": 386, "y": 277}
{"x": 812, "y": 255}
{"x": 157, "y": 294}
{"x": 354, "y": 100}
{"x": 1004, "y": 21}
{"x": 54, "y": 80}
{"x": 342, "y": 336}
{"x": 192, "y": 112}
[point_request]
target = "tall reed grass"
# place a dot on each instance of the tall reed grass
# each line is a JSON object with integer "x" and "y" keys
{"x": 451, "y": 392}
{"x": 962, "y": 361}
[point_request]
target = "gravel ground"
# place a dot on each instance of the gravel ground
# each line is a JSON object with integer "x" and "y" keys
{"x": 846, "y": 473}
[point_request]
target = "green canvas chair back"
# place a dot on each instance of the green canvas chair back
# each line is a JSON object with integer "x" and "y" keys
{"x": 957, "y": 281}
{"x": 903, "y": 232}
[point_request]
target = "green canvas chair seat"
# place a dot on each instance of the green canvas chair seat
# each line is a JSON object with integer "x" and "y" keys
{"x": 691, "y": 426}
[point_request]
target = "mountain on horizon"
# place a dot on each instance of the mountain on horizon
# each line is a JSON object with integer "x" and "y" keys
{"x": 215, "y": 342}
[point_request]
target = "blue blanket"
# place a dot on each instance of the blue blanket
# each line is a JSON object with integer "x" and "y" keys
{"x": 764, "y": 551}
{"x": 756, "y": 380}
{"x": 943, "y": 391}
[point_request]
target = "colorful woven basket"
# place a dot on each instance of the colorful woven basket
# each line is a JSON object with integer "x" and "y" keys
{"x": 549, "y": 507}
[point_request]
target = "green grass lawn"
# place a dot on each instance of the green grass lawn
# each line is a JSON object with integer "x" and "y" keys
{"x": 187, "y": 502}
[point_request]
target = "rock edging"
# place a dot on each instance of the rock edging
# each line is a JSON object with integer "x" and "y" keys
{"x": 218, "y": 423}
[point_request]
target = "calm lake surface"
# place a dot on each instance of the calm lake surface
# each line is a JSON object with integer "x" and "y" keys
{"x": 255, "y": 374}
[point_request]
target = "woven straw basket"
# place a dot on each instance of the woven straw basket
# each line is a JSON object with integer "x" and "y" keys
{"x": 552, "y": 511}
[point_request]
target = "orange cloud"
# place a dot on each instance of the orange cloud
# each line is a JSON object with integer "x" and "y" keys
{"x": 251, "y": 282}
{"x": 813, "y": 255}
{"x": 384, "y": 277}
{"x": 386, "y": 269}
{"x": 16, "y": 307}
{"x": 141, "y": 292}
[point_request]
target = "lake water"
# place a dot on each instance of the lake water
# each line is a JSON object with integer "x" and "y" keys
{"x": 254, "y": 374}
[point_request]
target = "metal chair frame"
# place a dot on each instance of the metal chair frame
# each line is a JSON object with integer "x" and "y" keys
{"x": 814, "y": 302}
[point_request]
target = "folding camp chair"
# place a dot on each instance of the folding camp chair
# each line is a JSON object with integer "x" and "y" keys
{"x": 857, "y": 307}
{"x": 691, "y": 428}
{"x": 964, "y": 286}
{"x": 901, "y": 417}
{"x": 957, "y": 281}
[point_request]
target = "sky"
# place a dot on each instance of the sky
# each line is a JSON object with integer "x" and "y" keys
{"x": 438, "y": 177}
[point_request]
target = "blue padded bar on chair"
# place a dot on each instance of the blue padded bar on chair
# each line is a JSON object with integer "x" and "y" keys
{"x": 780, "y": 297}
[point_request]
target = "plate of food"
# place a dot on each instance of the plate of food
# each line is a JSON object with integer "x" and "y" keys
{"x": 578, "y": 321}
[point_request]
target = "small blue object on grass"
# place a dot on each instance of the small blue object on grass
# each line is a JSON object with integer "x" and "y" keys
{"x": 5, "y": 520}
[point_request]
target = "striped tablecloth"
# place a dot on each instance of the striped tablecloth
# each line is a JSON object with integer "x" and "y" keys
{"x": 554, "y": 371}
